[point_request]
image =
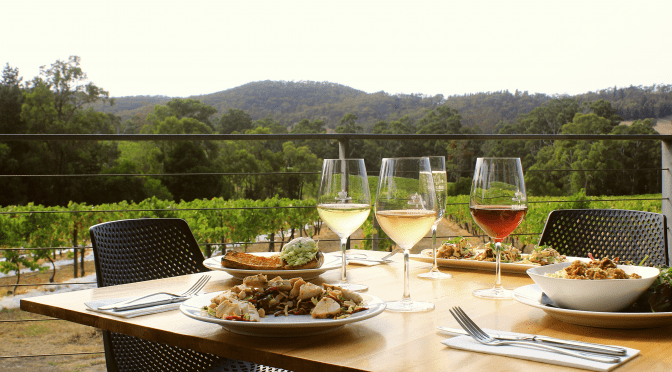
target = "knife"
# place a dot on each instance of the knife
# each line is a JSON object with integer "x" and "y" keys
{"x": 566, "y": 344}
{"x": 121, "y": 307}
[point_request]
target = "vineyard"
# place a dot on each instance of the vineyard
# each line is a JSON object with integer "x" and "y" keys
{"x": 34, "y": 234}
{"x": 539, "y": 207}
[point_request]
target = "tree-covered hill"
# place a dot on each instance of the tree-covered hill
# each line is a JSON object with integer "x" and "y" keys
{"x": 290, "y": 102}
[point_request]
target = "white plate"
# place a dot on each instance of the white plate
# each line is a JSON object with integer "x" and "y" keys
{"x": 531, "y": 295}
{"x": 331, "y": 262}
{"x": 281, "y": 326}
{"x": 426, "y": 256}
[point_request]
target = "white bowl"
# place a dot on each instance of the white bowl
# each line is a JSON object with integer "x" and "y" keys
{"x": 605, "y": 295}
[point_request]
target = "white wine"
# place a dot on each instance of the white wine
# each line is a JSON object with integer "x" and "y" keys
{"x": 406, "y": 227}
{"x": 343, "y": 219}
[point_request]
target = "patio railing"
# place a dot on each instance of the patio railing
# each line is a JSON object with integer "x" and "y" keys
{"x": 665, "y": 141}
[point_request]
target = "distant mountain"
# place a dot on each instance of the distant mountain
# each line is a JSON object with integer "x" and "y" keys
{"x": 290, "y": 102}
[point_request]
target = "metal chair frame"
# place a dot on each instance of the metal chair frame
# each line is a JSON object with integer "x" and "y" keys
{"x": 626, "y": 234}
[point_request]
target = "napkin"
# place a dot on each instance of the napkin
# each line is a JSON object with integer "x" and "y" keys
{"x": 355, "y": 261}
{"x": 94, "y": 305}
{"x": 530, "y": 353}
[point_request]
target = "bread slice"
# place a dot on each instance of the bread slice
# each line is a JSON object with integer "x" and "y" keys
{"x": 246, "y": 261}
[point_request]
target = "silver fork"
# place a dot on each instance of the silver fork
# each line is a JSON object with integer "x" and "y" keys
{"x": 194, "y": 289}
{"x": 479, "y": 335}
{"x": 383, "y": 259}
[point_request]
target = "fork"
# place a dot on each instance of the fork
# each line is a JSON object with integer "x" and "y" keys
{"x": 383, "y": 259}
{"x": 195, "y": 288}
{"x": 479, "y": 335}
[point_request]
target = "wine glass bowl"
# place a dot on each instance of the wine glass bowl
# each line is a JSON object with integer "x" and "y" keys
{"x": 438, "y": 166}
{"x": 498, "y": 204}
{"x": 344, "y": 203}
{"x": 406, "y": 209}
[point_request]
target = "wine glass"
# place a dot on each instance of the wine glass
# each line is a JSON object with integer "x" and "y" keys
{"x": 344, "y": 203}
{"x": 438, "y": 165}
{"x": 498, "y": 204}
{"x": 406, "y": 209}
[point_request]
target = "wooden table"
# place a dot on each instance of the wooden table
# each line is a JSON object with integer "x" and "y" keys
{"x": 387, "y": 342}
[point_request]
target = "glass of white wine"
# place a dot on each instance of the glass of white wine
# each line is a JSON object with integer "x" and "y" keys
{"x": 344, "y": 203}
{"x": 438, "y": 165}
{"x": 406, "y": 209}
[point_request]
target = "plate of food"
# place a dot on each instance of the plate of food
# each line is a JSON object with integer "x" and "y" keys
{"x": 282, "y": 307}
{"x": 461, "y": 254}
{"x": 601, "y": 293}
{"x": 531, "y": 295}
{"x": 298, "y": 258}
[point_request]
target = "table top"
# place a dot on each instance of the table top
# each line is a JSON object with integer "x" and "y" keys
{"x": 388, "y": 342}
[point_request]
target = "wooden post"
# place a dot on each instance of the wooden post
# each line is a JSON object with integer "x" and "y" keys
{"x": 374, "y": 235}
{"x": 666, "y": 207}
{"x": 74, "y": 252}
{"x": 82, "y": 253}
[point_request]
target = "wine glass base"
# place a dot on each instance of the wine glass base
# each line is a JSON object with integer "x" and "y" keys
{"x": 435, "y": 275}
{"x": 494, "y": 293}
{"x": 351, "y": 286}
{"x": 409, "y": 306}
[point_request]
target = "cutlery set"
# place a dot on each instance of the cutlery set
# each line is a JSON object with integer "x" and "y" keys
{"x": 585, "y": 350}
{"x": 173, "y": 297}
{"x": 384, "y": 259}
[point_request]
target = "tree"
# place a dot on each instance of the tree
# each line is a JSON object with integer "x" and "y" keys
{"x": 299, "y": 159}
{"x": 11, "y": 100}
{"x": 545, "y": 119}
{"x": 603, "y": 109}
{"x": 181, "y": 117}
{"x": 306, "y": 126}
{"x": 235, "y": 120}
{"x": 55, "y": 102}
{"x": 349, "y": 124}
{"x": 191, "y": 108}
{"x": 317, "y": 147}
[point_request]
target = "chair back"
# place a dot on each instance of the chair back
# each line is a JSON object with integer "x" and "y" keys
{"x": 626, "y": 234}
{"x": 129, "y": 251}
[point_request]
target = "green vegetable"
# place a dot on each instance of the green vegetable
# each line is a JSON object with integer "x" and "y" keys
{"x": 299, "y": 251}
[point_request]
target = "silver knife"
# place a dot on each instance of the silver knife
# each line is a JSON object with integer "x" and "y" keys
{"x": 566, "y": 344}
{"x": 121, "y": 307}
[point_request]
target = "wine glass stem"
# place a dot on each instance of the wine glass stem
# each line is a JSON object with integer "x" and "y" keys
{"x": 407, "y": 276}
{"x": 435, "y": 266}
{"x": 498, "y": 266}
{"x": 344, "y": 277}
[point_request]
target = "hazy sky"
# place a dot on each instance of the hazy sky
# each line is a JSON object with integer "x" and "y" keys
{"x": 183, "y": 48}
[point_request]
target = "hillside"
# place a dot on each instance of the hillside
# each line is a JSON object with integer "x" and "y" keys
{"x": 290, "y": 102}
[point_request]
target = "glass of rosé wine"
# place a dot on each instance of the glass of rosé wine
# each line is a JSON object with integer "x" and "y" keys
{"x": 498, "y": 204}
{"x": 406, "y": 208}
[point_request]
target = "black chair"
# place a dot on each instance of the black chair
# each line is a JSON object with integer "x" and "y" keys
{"x": 629, "y": 235}
{"x": 130, "y": 251}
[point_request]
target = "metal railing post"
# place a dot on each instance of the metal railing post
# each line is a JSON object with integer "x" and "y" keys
{"x": 343, "y": 147}
{"x": 343, "y": 144}
{"x": 666, "y": 181}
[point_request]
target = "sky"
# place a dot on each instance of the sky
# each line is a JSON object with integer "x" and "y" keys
{"x": 187, "y": 48}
